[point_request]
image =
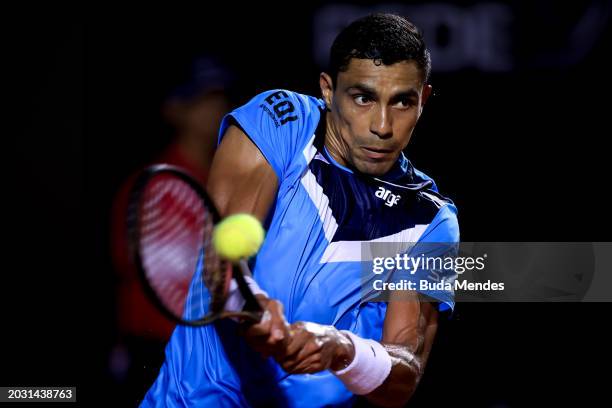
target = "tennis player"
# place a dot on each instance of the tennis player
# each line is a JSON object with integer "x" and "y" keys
{"x": 326, "y": 175}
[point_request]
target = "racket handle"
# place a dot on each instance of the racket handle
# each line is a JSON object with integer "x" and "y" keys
{"x": 251, "y": 302}
{"x": 244, "y": 268}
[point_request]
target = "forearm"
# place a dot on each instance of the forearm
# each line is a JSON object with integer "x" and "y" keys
{"x": 399, "y": 386}
{"x": 385, "y": 374}
{"x": 408, "y": 335}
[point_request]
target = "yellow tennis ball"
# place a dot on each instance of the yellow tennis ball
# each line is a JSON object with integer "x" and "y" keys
{"x": 238, "y": 236}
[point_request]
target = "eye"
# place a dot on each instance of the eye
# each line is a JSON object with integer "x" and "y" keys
{"x": 362, "y": 100}
{"x": 404, "y": 103}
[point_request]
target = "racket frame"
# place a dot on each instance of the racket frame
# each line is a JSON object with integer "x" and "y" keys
{"x": 252, "y": 310}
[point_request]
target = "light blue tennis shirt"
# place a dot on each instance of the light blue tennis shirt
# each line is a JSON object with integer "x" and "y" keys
{"x": 309, "y": 261}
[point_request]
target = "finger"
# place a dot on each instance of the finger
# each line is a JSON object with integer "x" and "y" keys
{"x": 310, "y": 365}
{"x": 279, "y": 330}
{"x": 311, "y": 348}
{"x": 261, "y": 329}
{"x": 296, "y": 342}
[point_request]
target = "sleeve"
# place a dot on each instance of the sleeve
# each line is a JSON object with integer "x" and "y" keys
{"x": 438, "y": 245}
{"x": 279, "y": 122}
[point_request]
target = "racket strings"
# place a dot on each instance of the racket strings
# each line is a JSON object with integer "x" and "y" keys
{"x": 173, "y": 227}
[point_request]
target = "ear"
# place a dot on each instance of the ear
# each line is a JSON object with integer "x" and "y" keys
{"x": 327, "y": 89}
{"x": 425, "y": 95}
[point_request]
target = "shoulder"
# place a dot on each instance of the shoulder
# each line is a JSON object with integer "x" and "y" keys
{"x": 280, "y": 123}
{"x": 444, "y": 224}
{"x": 284, "y": 108}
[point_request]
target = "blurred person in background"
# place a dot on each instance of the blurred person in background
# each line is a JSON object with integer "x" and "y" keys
{"x": 194, "y": 110}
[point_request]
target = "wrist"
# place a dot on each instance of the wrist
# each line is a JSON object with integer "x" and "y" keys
{"x": 369, "y": 368}
{"x": 345, "y": 352}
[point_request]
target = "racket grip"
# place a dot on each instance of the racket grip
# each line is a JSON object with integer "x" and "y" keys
{"x": 244, "y": 268}
{"x": 251, "y": 302}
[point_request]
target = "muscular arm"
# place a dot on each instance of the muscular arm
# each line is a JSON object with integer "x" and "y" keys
{"x": 408, "y": 333}
{"x": 240, "y": 179}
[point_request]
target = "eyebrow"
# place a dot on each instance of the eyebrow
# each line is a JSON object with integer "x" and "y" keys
{"x": 409, "y": 93}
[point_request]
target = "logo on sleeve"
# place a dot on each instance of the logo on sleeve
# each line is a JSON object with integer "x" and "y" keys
{"x": 282, "y": 106}
{"x": 389, "y": 198}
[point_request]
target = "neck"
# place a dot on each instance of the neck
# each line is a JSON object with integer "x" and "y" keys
{"x": 333, "y": 141}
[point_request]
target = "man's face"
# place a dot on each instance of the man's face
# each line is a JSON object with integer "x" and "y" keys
{"x": 374, "y": 109}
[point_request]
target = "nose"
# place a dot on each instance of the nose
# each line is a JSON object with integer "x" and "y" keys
{"x": 381, "y": 124}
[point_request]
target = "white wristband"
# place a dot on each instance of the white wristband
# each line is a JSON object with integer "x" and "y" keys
{"x": 235, "y": 302}
{"x": 370, "y": 367}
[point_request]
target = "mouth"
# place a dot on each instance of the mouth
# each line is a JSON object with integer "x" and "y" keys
{"x": 375, "y": 153}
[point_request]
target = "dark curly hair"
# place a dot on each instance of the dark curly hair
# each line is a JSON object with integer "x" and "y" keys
{"x": 384, "y": 38}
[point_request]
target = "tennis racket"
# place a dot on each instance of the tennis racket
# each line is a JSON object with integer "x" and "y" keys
{"x": 170, "y": 224}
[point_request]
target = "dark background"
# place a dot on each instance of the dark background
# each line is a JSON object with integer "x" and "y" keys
{"x": 521, "y": 149}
